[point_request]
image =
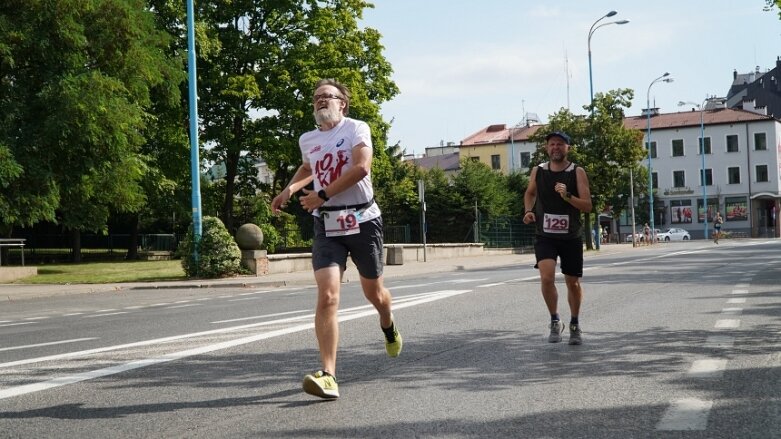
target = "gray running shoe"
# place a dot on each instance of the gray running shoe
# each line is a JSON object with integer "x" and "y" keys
{"x": 574, "y": 335}
{"x": 556, "y": 328}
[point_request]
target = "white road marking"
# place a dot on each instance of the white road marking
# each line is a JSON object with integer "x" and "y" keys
{"x": 51, "y": 343}
{"x": 17, "y": 324}
{"x": 741, "y": 285}
{"x": 187, "y": 305}
{"x": 727, "y": 324}
{"x": 709, "y": 368}
{"x": 490, "y": 285}
{"x": 737, "y": 300}
{"x": 133, "y": 307}
{"x": 686, "y": 414}
{"x": 739, "y": 291}
{"x": 105, "y": 314}
{"x": 344, "y": 315}
{"x": 73, "y": 314}
{"x": 260, "y": 317}
{"x": 36, "y": 318}
{"x": 732, "y": 311}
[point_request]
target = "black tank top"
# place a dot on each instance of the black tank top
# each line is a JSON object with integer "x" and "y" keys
{"x": 557, "y": 218}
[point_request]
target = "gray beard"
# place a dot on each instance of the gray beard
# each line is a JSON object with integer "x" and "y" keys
{"x": 557, "y": 158}
{"x": 327, "y": 115}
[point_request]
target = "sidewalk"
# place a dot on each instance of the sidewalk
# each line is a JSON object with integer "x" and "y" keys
{"x": 13, "y": 292}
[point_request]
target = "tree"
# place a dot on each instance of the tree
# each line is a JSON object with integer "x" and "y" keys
{"x": 76, "y": 77}
{"x": 258, "y": 61}
{"x": 396, "y": 188}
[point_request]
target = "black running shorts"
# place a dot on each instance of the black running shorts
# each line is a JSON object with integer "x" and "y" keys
{"x": 365, "y": 248}
{"x": 568, "y": 251}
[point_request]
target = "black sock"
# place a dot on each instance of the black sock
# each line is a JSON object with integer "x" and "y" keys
{"x": 573, "y": 320}
{"x": 389, "y": 333}
{"x": 555, "y": 317}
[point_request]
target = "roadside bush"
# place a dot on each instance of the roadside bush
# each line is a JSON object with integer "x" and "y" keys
{"x": 218, "y": 254}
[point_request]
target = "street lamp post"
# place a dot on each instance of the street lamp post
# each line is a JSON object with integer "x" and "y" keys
{"x": 591, "y": 31}
{"x": 702, "y": 153}
{"x": 663, "y": 78}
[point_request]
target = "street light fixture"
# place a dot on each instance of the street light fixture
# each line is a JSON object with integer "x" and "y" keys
{"x": 702, "y": 153}
{"x": 591, "y": 31}
{"x": 663, "y": 78}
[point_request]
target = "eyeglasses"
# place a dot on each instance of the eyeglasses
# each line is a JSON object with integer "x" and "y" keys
{"x": 326, "y": 96}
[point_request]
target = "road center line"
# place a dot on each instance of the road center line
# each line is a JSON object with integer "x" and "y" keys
{"x": 51, "y": 343}
{"x": 686, "y": 414}
{"x": 708, "y": 368}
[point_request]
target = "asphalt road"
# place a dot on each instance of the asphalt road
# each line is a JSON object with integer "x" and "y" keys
{"x": 680, "y": 340}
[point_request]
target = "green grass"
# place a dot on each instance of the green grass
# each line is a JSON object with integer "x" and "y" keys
{"x": 106, "y": 272}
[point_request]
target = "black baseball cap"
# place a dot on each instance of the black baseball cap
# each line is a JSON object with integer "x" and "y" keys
{"x": 560, "y": 134}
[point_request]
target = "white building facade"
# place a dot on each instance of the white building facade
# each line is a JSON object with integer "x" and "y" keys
{"x": 742, "y": 170}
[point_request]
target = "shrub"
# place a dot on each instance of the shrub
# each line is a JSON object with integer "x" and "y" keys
{"x": 218, "y": 254}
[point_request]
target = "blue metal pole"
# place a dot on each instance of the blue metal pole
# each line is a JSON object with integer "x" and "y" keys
{"x": 650, "y": 173}
{"x": 194, "y": 156}
{"x": 704, "y": 180}
{"x": 591, "y": 31}
{"x": 650, "y": 176}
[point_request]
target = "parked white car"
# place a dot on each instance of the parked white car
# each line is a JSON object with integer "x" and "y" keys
{"x": 674, "y": 234}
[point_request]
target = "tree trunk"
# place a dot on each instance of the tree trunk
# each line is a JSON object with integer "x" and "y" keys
{"x": 588, "y": 229}
{"x": 132, "y": 246}
{"x": 231, "y": 169}
{"x": 76, "y": 246}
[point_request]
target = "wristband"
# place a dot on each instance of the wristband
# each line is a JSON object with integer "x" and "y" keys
{"x": 529, "y": 211}
{"x": 567, "y": 196}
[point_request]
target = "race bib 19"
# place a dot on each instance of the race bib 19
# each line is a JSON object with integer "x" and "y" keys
{"x": 553, "y": 223}
{"x": 340, "y": 222}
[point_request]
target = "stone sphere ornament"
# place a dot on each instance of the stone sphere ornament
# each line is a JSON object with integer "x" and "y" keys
{"x": 249, "y": 237}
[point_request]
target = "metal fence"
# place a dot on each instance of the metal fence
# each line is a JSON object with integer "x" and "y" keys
{"x": 505, "y": 232}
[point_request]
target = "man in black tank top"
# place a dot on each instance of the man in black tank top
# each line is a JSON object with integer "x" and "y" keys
{"x": 557, "y": 194}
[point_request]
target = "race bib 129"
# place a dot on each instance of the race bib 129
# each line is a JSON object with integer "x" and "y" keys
{"x": 553, "y": 223}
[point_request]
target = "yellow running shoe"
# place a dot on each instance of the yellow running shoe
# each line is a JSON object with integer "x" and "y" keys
{"x": 393, "y": 346}
{"x": 321, "y": 384}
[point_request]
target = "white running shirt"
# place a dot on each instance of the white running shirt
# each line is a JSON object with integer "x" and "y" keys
{"x": 330, "y": 154}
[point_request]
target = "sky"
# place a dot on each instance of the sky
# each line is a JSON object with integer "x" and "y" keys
{"x": 462, "y": 65}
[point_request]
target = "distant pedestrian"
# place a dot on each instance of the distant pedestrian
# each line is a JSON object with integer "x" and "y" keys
{"x": 337, "y": 156}
{"x": 647, "y": 234}
{"x": 558, "y": 192}
{"x": 717, "y": 222}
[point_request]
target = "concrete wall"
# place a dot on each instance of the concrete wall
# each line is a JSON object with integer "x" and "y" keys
{"x": 409, "y": 253}
{"x": 10, "y": 274}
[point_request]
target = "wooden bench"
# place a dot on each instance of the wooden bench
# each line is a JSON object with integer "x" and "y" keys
{"x": 12, "y": 242}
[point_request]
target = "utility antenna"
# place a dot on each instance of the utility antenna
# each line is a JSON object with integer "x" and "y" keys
{"x": 566, "y": 73}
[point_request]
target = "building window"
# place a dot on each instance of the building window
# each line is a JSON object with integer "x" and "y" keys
{"x": 680, "y": 211}
{"x": 679, "y": 178}
{"x": 678, "y": 148}
{"x": 733, "y": 175}
{"x": 761, "y": 173}
{"x": 475, "y": 159}
{"x": 708, "y": 177}
{"x": 735, "y": 209}
{"x": 760, "y": 141}
{"x": 526, "y": 158}
{"x": 654, "y": 180}
{"x": 495, "y": 162}
{"x": 707, "y": 146}
{"x": 732, "y": 143}
{"x": 653, "y": 149}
